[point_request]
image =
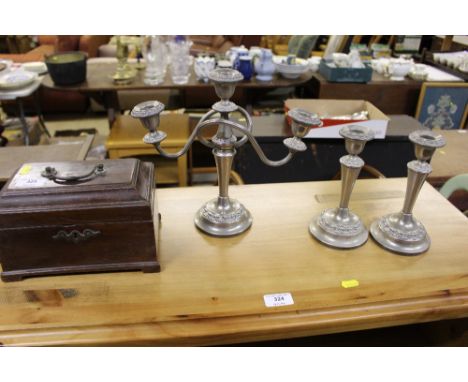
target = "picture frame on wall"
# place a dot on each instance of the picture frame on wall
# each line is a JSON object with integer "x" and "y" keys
{"x": 443, "y": 105}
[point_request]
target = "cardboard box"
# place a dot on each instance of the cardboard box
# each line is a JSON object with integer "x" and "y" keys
{"x": 377, "y": 121}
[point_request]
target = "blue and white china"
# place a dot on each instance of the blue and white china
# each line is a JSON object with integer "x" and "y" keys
{"x": 245, "y": 67}
{"x": 235, "y": 53}
{"x": 17, "y": 79}
{"x": 264, "y": 65}
{"x": 203, "y": 66}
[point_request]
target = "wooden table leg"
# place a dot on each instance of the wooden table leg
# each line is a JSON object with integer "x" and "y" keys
{"x": 110, "y": 101}
{"x": 37, "y": 106}
{"x": 182, "y": 170}
{"x": 112, "y": 105}
{"x": 24, "y": 123}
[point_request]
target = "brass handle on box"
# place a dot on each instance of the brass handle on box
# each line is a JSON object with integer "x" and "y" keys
{"x": 52, "y": 174}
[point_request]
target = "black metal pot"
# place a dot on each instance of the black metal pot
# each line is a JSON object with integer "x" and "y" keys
{"x": 67, "y": 68}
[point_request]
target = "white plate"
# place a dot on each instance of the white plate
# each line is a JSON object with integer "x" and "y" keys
{"x": 35, "y": 67}
{"x": 17, "y": 79}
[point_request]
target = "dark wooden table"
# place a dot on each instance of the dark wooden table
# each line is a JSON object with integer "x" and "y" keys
{"x": 391, "y": 97}
{"x": 57, "y": 149}
{"x": 100, "y": 86}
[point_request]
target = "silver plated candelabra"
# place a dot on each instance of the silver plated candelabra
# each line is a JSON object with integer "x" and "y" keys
{"x": 401, "y": 232}
{"x": 224, "y": 216}
{"x": 340, "y": 227}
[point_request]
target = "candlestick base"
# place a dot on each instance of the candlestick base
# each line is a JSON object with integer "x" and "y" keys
{"x": 401, "y": 233}
{"x": 339, "y": 227}
{"x": 223, "y": 217}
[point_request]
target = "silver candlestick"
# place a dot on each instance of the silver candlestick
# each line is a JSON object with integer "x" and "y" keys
{"x": 339, "y": 227}
{"x": 224, "y": 216}
{"x": 401, "y": 232}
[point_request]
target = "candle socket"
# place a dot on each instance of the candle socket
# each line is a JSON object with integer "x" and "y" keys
{"x": 401, "y": 232}
{"x": 339, "y": 227}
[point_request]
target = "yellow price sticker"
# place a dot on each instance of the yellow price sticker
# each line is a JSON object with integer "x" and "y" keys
{"x": 25, "y": 170}
{"x": 349, "y": 283}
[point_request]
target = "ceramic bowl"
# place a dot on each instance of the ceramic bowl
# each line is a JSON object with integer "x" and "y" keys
{"x": 418, "y": 72}
{"x": 291, "y": 71}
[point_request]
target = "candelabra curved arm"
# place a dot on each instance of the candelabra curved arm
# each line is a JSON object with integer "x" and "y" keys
{"x": 190, "y": 140}
{"x": 259, "y": 150}
{"x": 239, "y": 143}
{"x": 249, "y": 126}
{"x": 200, "y": 137}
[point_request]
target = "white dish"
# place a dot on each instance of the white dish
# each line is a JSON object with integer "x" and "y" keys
{"x": 38, "y": 67}
{"x": 290, "y": 71}
{"x": 17, "y": 79}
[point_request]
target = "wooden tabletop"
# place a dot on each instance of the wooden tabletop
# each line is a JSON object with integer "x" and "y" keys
{"x": 99, "y": 78}
{"x": 211, "y": 290}
{"x": 59, "y": 149}
{"x": 452, "y": 159}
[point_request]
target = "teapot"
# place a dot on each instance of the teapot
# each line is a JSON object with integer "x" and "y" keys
{"x": 264, "y": 65}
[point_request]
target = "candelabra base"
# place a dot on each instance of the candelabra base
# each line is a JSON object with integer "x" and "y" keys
{"x": 401, "y": 233}
{"x": 223, "y": 217}
{"x": 339, "y": 227}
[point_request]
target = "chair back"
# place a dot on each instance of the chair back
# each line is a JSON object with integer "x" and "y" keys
{"x": 458, "y": 182}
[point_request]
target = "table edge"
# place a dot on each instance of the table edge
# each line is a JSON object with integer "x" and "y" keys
{"x": 198, "y": 331}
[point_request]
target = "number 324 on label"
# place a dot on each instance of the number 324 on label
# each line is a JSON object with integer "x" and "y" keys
{"x": 278, "y": 299}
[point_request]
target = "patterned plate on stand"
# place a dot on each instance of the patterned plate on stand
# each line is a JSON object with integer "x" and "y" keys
{"x": 17, "y": 79}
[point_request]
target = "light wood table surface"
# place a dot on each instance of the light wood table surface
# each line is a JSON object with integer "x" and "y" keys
{"x": 450, "y": 160}
{"x": 58, "y": 149}
{"x": 211, "y": 290}
{"x": 126, "y": 140}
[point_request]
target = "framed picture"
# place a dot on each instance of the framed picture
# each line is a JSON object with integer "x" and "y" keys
{"x": 443, "y": 105}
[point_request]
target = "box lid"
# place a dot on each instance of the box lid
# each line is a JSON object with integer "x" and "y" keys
{"x": 76, "y": 192}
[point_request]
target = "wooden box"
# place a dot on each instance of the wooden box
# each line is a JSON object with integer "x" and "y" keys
{"x": 78, "y": 217}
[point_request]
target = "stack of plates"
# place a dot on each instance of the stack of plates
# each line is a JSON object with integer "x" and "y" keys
{"x": 17, "y": 79}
